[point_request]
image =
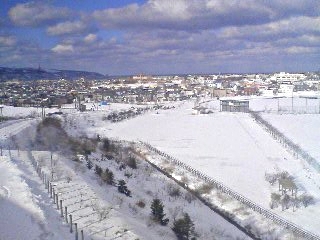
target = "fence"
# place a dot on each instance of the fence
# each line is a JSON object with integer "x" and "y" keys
{"x": 287, "y": 143}
{"x": 220, "y": 186}
{"x": 79, "y": 207}
{"x": 55, "y": 197}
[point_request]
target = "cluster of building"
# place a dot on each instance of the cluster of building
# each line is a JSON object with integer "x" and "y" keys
{"x": 156, "y": 89}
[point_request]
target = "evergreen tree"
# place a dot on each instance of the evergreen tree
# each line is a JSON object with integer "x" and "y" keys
{"x": 89, "y": 164}
{"x": 98, "y": 170}
{"x": 157, "y": 212}
{"x": 122, "y": 188}
{"x": 184, "y": 228}
{"x": 132, "y": 162}
{"x": 106, "y": 144}
{"x": 108, "y": 177}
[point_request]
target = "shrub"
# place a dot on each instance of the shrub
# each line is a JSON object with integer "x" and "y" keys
{"x": 306, "y": 200}
{"x": 132, "y": 162}
{"x": 189, "y": 197}
{"x": 108, "y": 176}
{"x": 173, "y": 191}
{"x": 141, "y": 204}
{"x": 205, "y": 188}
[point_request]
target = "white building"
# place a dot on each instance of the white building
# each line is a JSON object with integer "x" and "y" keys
{"x": 286, "y": 89}
{"x": 284, "y": 77}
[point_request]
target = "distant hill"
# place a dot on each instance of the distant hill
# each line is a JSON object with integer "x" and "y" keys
{"x": 27, "y": 74}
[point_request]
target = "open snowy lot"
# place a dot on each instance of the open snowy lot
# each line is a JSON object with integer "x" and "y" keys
{"x": 301, "y": 129}
{"x": 230, "y": 147}
{"x": 99, "y": 210}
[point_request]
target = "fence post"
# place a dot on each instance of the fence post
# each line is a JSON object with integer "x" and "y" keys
{"x": 50, "y": 190}
{"x": 54, "y": 196}
{"x": 61, "y": 209}
{"x": 82, "y": 236}
{"x": 70, "y": 216}
{"x": 45, "y": 181}
{"x": 76, "y": 230}
{"x": 66, "y": 214}
{"x": 57, "y": 201}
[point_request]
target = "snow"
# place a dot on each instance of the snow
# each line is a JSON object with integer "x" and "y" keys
{"x": 301, "y": 129}
{"x": 23, "y": 207}
{"x": 24, "y": 112}
{"x": 229, "y": 147}
{"x": 32, "y": 213}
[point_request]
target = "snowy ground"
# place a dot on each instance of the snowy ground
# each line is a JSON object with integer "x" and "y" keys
{"x": 23, "y": 112}
{"x": 301, "y": 129}
{"x": 33, "y": 214}
{"x": 229, "y": 147}
{"x": 24, "y": 207}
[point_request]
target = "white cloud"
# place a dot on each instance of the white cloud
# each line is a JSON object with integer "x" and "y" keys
{"x": 36, "y": 14}
{"x": 294, "y": 26}
{"x": 63, "y": 48}
{"x": 90, "y": 38}
{"x": 301, "y": 50}
{"x": 67, "y": 28}
{"x": 195, "y": 15}
{"x": 7, "y": 41}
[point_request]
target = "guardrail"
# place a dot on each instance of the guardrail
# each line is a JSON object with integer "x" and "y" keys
{"x": 223, "y": 188}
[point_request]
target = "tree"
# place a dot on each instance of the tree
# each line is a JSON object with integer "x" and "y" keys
{"x": 306, "y": 200}
{"x": 122, "y": 188}
{"x": 157, "y": 212}
{"x": 108, "y": 177}
{"x": 132, "y": 162}
{"x": 184, "y": 228}
{"x": 89, "y": 164}
{"x": 98, "y": 170}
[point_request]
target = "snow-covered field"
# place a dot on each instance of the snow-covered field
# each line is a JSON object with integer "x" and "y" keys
{"x": 303, "y": 130}
{"x": 27, "y": 210}
{"x": 229, "y": 147}
{"x": 23, "y": 112}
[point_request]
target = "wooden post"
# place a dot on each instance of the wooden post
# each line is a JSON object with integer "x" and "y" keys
{"x": 82, "y": 236}
{"x": 57, "y": 201}
{"x": 66, "y": 214}
{"x": 45, "y": 181}
{"x": 50, "y": 190}
{"x": 61, "y": 209}
{"x": 70, "y": 216}
{"x": 76, "y": 230}
{"x": 54, "y": 195}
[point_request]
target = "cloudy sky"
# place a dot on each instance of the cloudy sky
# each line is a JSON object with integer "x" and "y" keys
{"x": 161, "y": 36}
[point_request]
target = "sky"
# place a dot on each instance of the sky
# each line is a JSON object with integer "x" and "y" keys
{"x": 118, "y": 37}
